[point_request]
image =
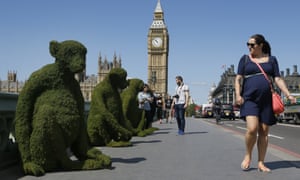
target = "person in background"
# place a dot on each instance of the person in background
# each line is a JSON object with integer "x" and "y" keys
{"x": 145, "y": 99}
{"x": 168, "y": 105}
{"x": 255, "y": 97}
{"x": 153, "y": 106}
{"x": 217, "y": 105}
{"x": 180, "y": 103}
{"x": 159, "y": 108}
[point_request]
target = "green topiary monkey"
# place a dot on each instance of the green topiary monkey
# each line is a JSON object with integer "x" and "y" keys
{"x": 130, "y": 104}
{"x": 106, "y": 123}
{"x": 49, "y": 116}
{"x": 134, "y": 117}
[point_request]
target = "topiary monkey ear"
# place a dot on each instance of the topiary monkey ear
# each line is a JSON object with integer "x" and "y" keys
{"x": 54, "y": 47}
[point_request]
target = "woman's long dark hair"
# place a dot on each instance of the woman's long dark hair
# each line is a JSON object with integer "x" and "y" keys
{"x": 261, "y": 39}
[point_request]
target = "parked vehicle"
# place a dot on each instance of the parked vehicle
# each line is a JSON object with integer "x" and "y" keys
{"x": 227, "y": 111}
{"x": 204, "y": 111}
{"x": 291, "y": 111}
{"x": 207, "y": 112}
{"x": 236, "y": 110}
{"x": 197, "y": 110}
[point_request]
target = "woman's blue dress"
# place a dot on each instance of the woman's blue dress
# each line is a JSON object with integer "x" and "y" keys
{"x": 256, "y": 89}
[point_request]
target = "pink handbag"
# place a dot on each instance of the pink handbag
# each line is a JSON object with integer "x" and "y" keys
{"x": 278, "y": 106}
{"x": 277, "y": 103}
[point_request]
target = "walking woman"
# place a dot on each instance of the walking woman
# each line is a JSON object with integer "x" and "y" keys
{"x": 255, "y": 97}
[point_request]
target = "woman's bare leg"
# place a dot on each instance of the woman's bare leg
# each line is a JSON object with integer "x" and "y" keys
{"x": 262, "y": 144}
{"x": 250, "y": 139}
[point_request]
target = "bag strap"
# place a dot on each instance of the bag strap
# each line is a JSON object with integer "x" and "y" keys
{"x": 264, "y": 73}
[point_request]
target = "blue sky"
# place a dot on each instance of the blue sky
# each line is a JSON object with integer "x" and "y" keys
{"x": 204, "y": 34}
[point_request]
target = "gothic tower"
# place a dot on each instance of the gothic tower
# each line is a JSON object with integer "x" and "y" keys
{"x": 104, "y": 67}
{"x": 158, "y": 52}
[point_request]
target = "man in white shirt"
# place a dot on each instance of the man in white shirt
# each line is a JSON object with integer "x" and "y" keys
{"x": 180, "y": 103}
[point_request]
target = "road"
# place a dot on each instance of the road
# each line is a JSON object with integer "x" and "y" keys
{"x": 283, "y": 135}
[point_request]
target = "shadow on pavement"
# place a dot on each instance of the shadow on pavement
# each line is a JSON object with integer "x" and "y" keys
{"x": 140, "y": 142}
{"x": 13, "y": 173}
{"x": 162, "y": 129}
{"x": 200, "y": 132}
{"x": 129, "y": 160}
{"x": 283, "y": 164}
{"x": 161, "y": 132}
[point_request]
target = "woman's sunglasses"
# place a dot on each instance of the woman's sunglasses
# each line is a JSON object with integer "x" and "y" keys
{"x": 251, "y": 45}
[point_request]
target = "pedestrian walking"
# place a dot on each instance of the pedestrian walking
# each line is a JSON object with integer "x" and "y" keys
{"x": 159, "y": 108}
{"x": 168, "y": 105}
{"x": 255, "y": 97}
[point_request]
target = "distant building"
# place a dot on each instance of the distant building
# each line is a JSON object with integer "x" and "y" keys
{"x": 292, "y": 80}
{"x": 225, "y": 90}
{"x": 11, "y": 85}
{"x": 88, "y": 83}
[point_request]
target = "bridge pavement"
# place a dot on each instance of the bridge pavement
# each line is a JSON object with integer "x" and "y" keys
{"x": 206, "y": 152}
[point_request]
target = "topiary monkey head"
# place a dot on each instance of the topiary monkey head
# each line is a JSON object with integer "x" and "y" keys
{"x": 117, "y": 77}
{"x": 137, "y": 84}
{"x": 70, "y": 55}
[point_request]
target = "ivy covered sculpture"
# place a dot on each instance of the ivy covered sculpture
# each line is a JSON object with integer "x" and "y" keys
{"x": 132, "y": 113}
{"x": 50, "y": 116}
{"x": 106, "y": 123}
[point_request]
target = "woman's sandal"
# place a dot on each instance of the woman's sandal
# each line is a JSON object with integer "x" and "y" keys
{"x": 245, "y": 166}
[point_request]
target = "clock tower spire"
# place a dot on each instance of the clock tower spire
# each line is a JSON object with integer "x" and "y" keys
{"x": 158, "y": 52}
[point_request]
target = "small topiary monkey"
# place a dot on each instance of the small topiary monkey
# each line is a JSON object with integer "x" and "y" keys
{"x": 132, "y": 113}
{"x": 106, "y": 122}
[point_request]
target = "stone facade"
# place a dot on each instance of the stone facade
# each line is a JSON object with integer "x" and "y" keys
{"x": 292, "y": 80}
{"x": 11, "y": 85}
{"x": 88, "y": 83}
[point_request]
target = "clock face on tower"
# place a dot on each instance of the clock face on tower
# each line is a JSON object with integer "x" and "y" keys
{"x": 157, "y": 42}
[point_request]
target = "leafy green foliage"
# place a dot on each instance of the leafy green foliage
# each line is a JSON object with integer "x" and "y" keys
{"x": 49, "y": 115}
{"x": 190, "y": 111}
{"x": 106, "y": 123}
{"x": 132, "y": 113}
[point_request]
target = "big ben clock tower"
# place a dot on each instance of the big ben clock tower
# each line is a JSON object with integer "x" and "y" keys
{"x": 158, "y": 52}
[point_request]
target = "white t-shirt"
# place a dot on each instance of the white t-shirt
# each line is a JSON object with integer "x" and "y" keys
{"x": 144, "y": 97}
{"x": 180, "y": 91}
